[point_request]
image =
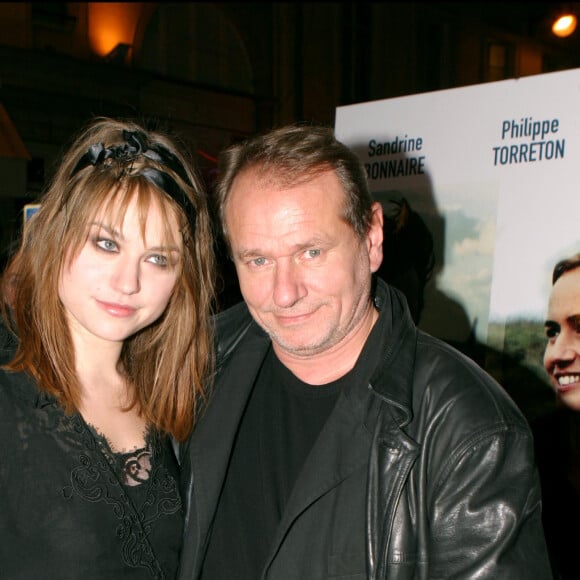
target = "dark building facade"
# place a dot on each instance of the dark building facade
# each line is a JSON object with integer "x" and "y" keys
{"x": 216, "y": 72}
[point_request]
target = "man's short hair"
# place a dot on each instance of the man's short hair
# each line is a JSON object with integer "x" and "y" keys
{"x": 297, "y": 153}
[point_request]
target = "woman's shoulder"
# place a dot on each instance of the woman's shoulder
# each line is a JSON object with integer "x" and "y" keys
{"x": 551, "y": 431}
{"x": 8, "y": 343}
{"x": 17, "y": 386}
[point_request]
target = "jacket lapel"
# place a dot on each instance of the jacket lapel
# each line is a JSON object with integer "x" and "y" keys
{"x": 212, "y": 442}
{"x": 344, "y": 445}
{"x": 341, "y": 449}
{"x": 393, "y": 453}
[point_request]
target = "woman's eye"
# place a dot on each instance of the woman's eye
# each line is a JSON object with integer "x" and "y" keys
{"x": 107, "y": 245}
{"x": 158, "y": 260}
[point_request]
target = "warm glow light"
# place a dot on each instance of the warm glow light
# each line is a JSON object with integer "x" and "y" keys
{"x": 112, "y": 23}
{"x": 565, "y": 25}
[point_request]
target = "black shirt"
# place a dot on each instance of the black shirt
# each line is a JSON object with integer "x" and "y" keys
{"x": 557, "y": 456}
{"x": 280, "y": 425}
{"x": 70, "y": 508}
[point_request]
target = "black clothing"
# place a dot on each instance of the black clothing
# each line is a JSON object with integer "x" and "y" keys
{"x": 8, "y": 343}
{"x": 424, "y": 468}
{"x": 558, "y": 455}
{"x": 280, "y": 424}
{"x": 70, "y": 508}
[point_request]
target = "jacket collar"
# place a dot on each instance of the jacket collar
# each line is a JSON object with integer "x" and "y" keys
{"x": 210, "y": 448}
{"x": 394, "y": 373}
{"x": 393, "y": 377}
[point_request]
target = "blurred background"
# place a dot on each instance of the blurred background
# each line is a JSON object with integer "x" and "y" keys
{"x": 216, "y": 72}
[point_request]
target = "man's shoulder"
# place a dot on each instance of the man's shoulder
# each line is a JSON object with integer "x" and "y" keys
{"x": 447, "y": 361}
{"x": 231, "y": 327}
{"x": 451, "y": 379}
{"x": 236, "y": 314}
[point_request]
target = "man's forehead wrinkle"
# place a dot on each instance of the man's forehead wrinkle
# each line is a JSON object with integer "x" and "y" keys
{"x": 286, "y": 214}
{"x": 284, "y": 220}
{"x": 294, "y": 216}
{"x": 282, "y": 243}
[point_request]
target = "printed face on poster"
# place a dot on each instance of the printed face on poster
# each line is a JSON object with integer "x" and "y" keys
{"x": 493, "y": 171}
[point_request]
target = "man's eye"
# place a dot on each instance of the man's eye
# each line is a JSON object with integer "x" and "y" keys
{"x": 552, "y": 331}
{"x": 313, "y": 253}
{"x": 259, "y": 261}
{"x": 106, "y": 244}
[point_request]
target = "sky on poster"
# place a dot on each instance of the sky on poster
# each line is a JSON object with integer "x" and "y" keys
{"x": 507, "y": 211}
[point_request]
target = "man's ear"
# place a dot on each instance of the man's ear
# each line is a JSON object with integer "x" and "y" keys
{"x": 375, "y": 237}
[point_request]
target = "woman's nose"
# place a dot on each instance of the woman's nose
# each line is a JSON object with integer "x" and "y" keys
{"x": 560, "y": 352}
{"x": 126, "y": 278}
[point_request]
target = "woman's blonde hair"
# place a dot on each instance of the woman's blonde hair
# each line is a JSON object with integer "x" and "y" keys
{"x": 167, "y": 363}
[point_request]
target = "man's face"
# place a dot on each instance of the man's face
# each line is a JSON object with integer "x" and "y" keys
{"x": 304, "y": 272}
{"x": 562, "y": 356}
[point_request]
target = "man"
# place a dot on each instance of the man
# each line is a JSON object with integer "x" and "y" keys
{"x": 339, "y": 441}
{"x": 557, "y": 432}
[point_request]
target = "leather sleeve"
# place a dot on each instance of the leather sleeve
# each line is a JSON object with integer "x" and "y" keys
{"x": 485, "y": 510}
{"x": 453, "y": 489}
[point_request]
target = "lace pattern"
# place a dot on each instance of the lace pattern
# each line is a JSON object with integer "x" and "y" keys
{"x": 132, "y": 467}
{"x": 104, "y": 476}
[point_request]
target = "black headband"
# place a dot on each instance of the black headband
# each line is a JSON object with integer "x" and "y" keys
{"x": 133, "y": 147}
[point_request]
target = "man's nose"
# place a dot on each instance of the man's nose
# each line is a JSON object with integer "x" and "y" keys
{"x": 288, "y": 285}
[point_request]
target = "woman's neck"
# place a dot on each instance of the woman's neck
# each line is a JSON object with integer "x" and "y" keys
{"x": 106, "y": 395}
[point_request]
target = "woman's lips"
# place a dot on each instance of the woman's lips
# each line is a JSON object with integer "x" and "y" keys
{"x": 567, "y": 382}
{"x": 119, "y": 310}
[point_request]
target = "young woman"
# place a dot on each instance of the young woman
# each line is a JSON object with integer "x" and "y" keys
{"x": 557, "y": 432}
{"x": 110, "y": 296}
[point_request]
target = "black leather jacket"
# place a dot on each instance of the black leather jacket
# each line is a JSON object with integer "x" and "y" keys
{"x": 451, "y": 484}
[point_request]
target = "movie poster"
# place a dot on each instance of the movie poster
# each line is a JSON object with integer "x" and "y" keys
{"x": 493, "y": 171}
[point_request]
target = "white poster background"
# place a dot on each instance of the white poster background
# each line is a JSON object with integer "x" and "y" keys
{"x": 502, "y": 226}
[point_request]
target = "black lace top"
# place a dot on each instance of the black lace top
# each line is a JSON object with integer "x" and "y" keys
{"x": 71, "y": 508}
